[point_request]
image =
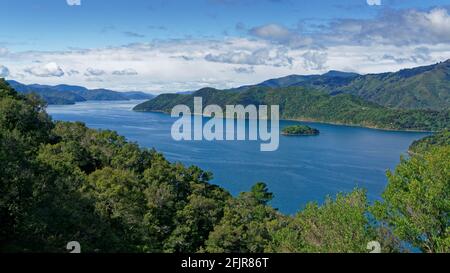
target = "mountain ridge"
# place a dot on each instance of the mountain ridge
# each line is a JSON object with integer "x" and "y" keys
{"x": 423, "y": 87}
{"x": 305, "y": 104}
{"x": 70, "y": 94}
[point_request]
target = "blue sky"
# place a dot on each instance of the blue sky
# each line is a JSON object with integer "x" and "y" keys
{"x": 166, "y": 45}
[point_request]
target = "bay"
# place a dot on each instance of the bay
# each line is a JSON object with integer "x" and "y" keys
{"x": 303, "y": 169}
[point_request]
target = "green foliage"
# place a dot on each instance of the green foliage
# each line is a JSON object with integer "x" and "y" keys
{"x": 247, "y": 224}
{"x": 416, "y": 202}
{"x": 261, "y": 193}
{"x": 337, "y": 226}
{"x": 440, "y": 139}
{"x": 62, "y": 181}
{"x": 299, "y": 130}
{"x": 299, "y": 103}
{"x": 424, "y": 87}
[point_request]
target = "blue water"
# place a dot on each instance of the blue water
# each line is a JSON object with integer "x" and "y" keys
{"x": 303, "y": 169}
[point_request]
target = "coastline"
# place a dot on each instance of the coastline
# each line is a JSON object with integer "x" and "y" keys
{"x": 299, "y": 135}
{"x": 308, "y": 120}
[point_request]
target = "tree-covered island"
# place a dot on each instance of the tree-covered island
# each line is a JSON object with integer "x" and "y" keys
{"x": 299, "y": 130}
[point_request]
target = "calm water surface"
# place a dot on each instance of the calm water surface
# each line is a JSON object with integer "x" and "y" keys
{"x": 303, "y": 169}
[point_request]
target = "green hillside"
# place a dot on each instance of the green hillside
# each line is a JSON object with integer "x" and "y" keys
{"x": 418, "y": 88}
{"x": 310, "y": 105}
{"x": 63, "y": 181}
{"x": 426, "y": 87}
{"x": 70, "y": 94}
{"x": 440, "y": 139}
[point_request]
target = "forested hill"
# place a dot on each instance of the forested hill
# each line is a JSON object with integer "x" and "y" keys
{"x": 70, "y": 94}
{"x": 426, "y": 87}
{"x": 311, "y": 105}
{"x": 440, "y": 139}
{"x": 61, "y": 182}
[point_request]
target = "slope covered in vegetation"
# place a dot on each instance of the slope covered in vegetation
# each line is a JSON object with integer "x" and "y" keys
{"x": 61, "y": 182}
{"x": 70, "y": 94}
{"x": 310, "y": 105}
{"x": 440, "y": 139}
{"x": 425, "y": 87}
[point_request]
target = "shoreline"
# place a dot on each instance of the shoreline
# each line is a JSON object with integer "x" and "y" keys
{"x": 318, "y": 121}
{"x": 299, "y": 135}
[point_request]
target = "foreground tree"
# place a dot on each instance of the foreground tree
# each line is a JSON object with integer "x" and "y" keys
{"x": 246, "y": 226}
{"x": 337, "y": 226}
{"x": 63, "y": 181}
{"x": 416, "y": 202}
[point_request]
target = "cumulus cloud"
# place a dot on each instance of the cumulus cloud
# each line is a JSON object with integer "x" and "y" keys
{"x": 404, "y": 27}
{"x": 280, "y": 34}
{"x": 3, "y": 51}
{"x": 4, "y": 71}
{"x": 315, "y": 60}
{"x": 374, "y": 2}
{"x": 263, "y": 56}
{"x": 245, "y": 70}
{"x": 397, "y": 27}
{"x": 72, "y": 72}
{"x": 94, "y": 72}
{"x": 125, "y": 72}
{"x": 231, "y": 62}
{"x": 51, "y": 69}
{"x": 183, "y": 57}
{"x": 73, "y": 2}
{"x": 271, "y": 32}
{"x": 419, "y": 55}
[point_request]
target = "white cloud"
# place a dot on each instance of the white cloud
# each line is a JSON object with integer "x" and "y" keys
{"x": 272, "y": 32}
{"x": 280, "y": 34}
{"x": 374, "y": 2}
{"x": 125, "y": 72}
{"x": 72, "y": 72}
{"x": 51, "y": 69}
{"x": 3, "y": 51}
{"x": 315, "y": 60}
{"x": 391, "y": 27}
{"x": 162, "y": 70}
{"x": 94, "y": 72}
{"x": 436, "y": 21}
{"x": 245, "y": 70}
{"x": 263, "y": 56}
{"x": 4, "y": 71}
{"x": 73, "y": 2}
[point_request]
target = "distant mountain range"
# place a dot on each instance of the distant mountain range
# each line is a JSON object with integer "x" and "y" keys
{"x": 70, "y": 94}
{"x": 411, "y": 99}
{"x": 426, "y": 87}
{"x": 307, "y": 104}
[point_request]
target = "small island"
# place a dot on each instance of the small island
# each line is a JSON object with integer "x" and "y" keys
{"x": 300, "y": 130}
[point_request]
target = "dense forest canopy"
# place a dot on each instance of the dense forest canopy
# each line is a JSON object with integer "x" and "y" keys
{"x": 62, "y": 181}
{"x": 300, "y": 130}
{"x": 440, "y": 139}
{"x": 300, "y": 103}
{"x": 424, "y": 87}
